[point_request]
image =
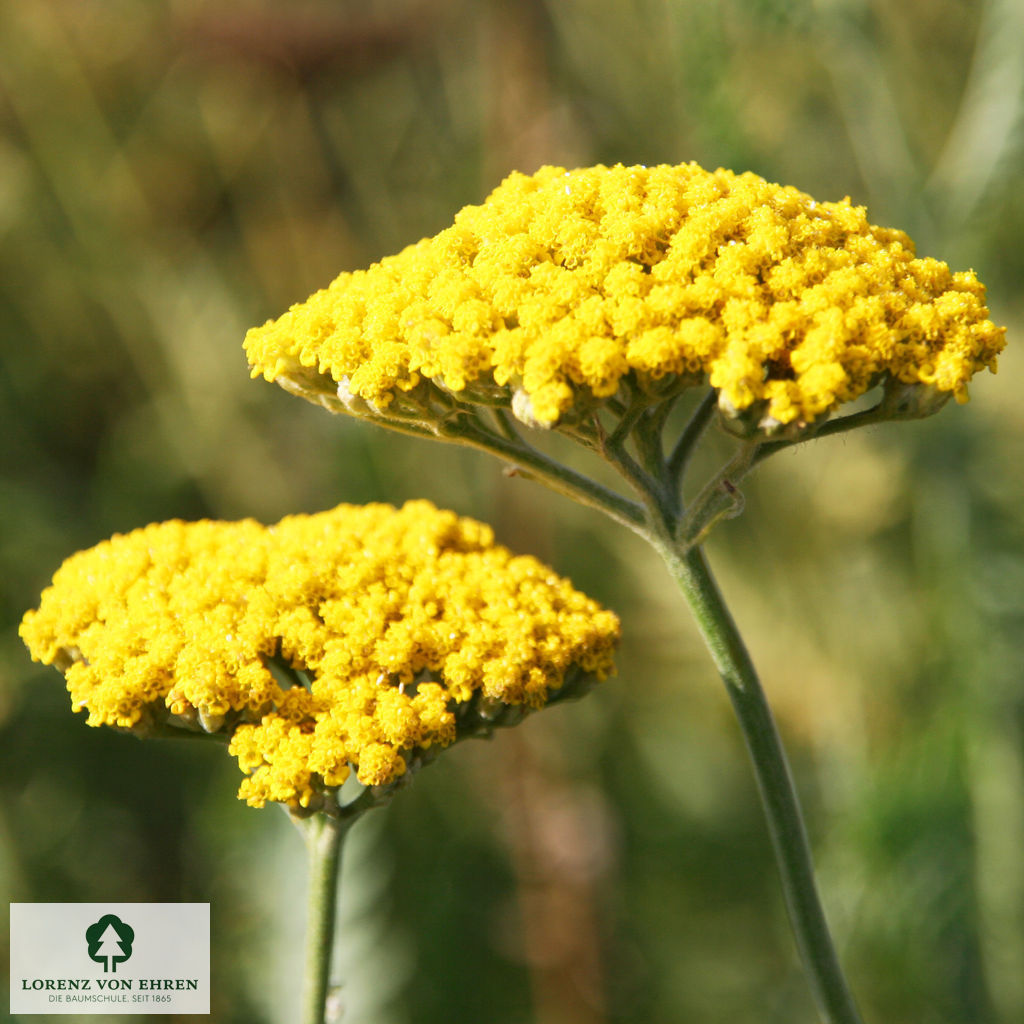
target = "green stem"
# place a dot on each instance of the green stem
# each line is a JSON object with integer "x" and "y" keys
{"x": 536, "y": 465}
{"x": 778, "y": 794}
{"x": 324, "y": 836}
{"x": 876, "y": 414}
{"x": 719, "y": 498}
{"x": 691, "y": 434}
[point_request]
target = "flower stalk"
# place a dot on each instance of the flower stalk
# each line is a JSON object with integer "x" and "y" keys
{"x": 676, "y": 533}
{"x": 324, "y": 836}
{"x": 774, "y": 781}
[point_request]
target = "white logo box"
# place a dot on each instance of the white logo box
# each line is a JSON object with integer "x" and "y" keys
{"x": 100, "y": 958}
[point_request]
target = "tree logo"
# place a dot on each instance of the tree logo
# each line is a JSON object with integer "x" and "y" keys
{"x": 110, "y": 942}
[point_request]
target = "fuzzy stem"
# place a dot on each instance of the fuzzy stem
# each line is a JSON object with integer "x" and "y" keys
{"x": 324, "y": 836}
{"x": 774, "y": 780}
{"x": 876, "y": 414}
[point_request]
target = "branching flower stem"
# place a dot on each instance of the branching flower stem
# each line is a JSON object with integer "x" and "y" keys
{"x": 720, "y": 498}
{"x": 676, "y": 534}
{"x": 534, "y": 464}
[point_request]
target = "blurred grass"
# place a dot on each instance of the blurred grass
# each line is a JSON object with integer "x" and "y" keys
{"x": 173, "y": 171}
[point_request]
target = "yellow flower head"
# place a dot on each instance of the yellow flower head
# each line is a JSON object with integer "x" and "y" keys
{"x": 360, "y": 637}
{"x": 564, "y": 283}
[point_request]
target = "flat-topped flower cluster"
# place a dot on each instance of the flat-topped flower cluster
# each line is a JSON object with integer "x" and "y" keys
{"x": 357, "y": 637}
{"x": 564, "y": 282}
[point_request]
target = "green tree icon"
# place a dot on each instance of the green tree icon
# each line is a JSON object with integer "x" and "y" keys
{"x": 110, "y": 942}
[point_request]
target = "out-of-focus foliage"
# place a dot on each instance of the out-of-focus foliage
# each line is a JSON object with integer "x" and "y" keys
{"x": 174, "y": 171}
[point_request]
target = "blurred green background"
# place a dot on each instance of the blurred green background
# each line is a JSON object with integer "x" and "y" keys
{"x": 174, "y": 171}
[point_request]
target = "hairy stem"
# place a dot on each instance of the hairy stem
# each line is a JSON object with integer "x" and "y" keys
{"x": 875, "y": 414}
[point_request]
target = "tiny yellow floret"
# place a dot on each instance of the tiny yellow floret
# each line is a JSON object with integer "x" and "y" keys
{"x": 564, "y": 282}
{"x": 353, "y": 638}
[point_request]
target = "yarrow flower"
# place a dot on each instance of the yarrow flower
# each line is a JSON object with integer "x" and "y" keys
{"x": 563, "y": 285}
{"x": 364, "y": 637}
